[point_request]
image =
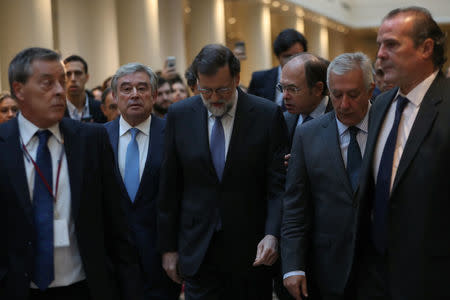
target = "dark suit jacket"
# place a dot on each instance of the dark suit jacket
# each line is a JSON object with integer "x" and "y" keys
{"x": 94, "y": 110}
{"x": 142, "y": 212}
{"x": 263, "y": 83}
{"x": 292, "y": 119}
{"x": 418, "y": 251}
{"x": 319, "y": 216}
{"x": 100, "y": 224}
{"x": 248, "y": 199}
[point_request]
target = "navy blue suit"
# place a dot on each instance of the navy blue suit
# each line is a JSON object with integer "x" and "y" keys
{"x": 100, "y": 225}
{"x": 263, "y": 83}
{"x": 142, "y": 212}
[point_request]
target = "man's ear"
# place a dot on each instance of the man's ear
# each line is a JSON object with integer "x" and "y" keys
{"x": 18, "y": 89}
{"x": 318, "y": 88}
{"x": 428, "y": 47}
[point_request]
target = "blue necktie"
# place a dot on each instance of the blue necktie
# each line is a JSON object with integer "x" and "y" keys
{"x": 131, "y": 177}
{"x": 43, "y": 273}
{"x": 218, "y": 147}
{"x": 383, "y": 185}
{"x": 353, "y": 158}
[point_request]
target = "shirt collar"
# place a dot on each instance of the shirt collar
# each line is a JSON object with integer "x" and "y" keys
{"x": 72, "y": 107}
{"x": 416, "y": 95}
{"x": 28, "y": 130}
{"x": 363, "y": 125}
{"x": 320, "y": 108}
{"x": 143, "y": 127}
{"x": 232, "y": 111}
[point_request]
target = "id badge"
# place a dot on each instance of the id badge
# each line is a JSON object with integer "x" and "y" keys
{"x": 61, "y": 233}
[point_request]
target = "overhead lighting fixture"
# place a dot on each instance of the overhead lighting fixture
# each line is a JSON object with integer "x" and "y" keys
{"x": 299, "y": 12}
{"x": 276, "y": 4}
{"x": 285, "y": 7}
{"x": 187, "y": 10}
{"x": 232, "y": 20}
{"x": 266, "y": 1}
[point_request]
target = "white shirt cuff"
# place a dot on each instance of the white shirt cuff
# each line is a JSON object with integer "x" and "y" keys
{"x": 293, "y": 273}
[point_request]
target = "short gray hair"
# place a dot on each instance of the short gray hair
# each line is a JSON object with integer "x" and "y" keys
{"x": 350, "y": 61}
{"x": 131, "y": 68}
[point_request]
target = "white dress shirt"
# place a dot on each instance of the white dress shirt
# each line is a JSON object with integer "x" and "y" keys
{"x": 142, "y": 138}
{"x": 415, "y": 97}
{"x": 317, "y": 112}
{"x": 67, "y": 260}
{"x": 361, "y": 136}
{"x": 227, "y": 123}
{"x": 344, "y": 141}
{"x": 76, "y": 114}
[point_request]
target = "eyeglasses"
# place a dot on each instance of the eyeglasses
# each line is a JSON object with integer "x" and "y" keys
{"x": 224, "y": 91}
{"x": 291, "y": 89}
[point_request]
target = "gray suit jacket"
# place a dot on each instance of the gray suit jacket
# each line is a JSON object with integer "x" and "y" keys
{"x": 319, "y": 215}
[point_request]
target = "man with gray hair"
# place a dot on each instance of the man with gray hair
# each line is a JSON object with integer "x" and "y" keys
{"x": 137, "y": 140}
{"x": 319, "y": 216}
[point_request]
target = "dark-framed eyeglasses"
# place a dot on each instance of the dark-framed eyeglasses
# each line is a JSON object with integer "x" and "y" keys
{"x": 291, "y": 89}
{"x": 223, "y": 91}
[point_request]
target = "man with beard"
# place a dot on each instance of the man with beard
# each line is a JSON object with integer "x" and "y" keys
{"x": 81, "y": 105}
{"x": 222, "y": 180}
{"x": 163, "y": 99}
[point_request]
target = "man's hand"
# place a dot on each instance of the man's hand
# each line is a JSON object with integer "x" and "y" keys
{"x": 286, "y": 159}
{"x": 267, "y": 251}
{"x": 169, "y": 264}
{"x": 296, "y": 285}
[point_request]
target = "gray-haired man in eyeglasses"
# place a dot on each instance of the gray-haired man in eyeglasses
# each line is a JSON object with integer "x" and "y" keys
{"x": 304, "y": 88}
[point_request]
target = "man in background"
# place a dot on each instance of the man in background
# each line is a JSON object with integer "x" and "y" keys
{"x": 81, "y": 106}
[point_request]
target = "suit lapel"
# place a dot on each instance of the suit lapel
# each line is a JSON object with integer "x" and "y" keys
{"x": 421, "y": 126}
{"x": 73, "y": 146}
{"x": 16, "y": 163}
{"x": 154, "y": 150}
{"x": 200, "y": 133}
{"x": 331, "y": 139}
{"x": 242, "y": 121}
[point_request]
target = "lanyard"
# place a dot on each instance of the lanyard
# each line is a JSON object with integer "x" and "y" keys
{"x": 41, "y": 175}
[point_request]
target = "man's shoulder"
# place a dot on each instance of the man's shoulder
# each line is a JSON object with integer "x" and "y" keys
{"x": 317, "y": 125}
{"x": 263, "y": 73}
{"x": 186, "y": 104}
{"x": 258, "y": 102}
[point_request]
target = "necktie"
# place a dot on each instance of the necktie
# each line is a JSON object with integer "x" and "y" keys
{"x": 43, "y": 273}
{"x": 131, "y": 177}
{"x": 218, "y": 147}
{"x": 353, "y": 158}
{"x": 306, "y": 119}
{"x": 383, "y": 185}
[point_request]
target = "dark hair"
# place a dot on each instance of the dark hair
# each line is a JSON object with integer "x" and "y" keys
{"x": 214, "y": 56}
{"x": 315, "y": 70}
{"x": 105, "y": 93}
{"x": 161, "y": 81}
{"x": 20, "y": 67}
{"x": 77, "y": 58}
{"x": 105, "y": 83}
{"x": 191, "y": 79}
{"x": 424, "y": 27}
{"x": 286, "y": 39}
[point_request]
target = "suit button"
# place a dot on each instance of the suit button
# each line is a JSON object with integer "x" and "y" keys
{"x": 26, "y": 274}
{"x": 29, "y": 243}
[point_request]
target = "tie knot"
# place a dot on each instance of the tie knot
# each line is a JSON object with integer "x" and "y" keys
{"x": 353, "y": 131}
{"x": 134, "y": 132}
{"x": 43, "y": 136}
{"x": 401, "y": 103}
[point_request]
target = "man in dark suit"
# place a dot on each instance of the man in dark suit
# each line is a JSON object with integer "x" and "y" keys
{"x": 137, "y": 140}
{"x": 288, "y": 43}
{"x": 404, "y": 192}
{"x": 304, "y": 89}
{"x": 221, "y": 183}
{"x": 67, "y": 235}
{"x": 81, "y": 105}
{"x": 318, "y": 228}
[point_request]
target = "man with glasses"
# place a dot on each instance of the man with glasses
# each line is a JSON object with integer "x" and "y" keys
{"x": 137, "y": 140}
{"x": 222, "y": 178}
{"x": 304, "y": 89}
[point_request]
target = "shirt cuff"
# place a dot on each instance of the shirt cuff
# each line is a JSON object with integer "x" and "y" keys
{"x": 293, "y": 273}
